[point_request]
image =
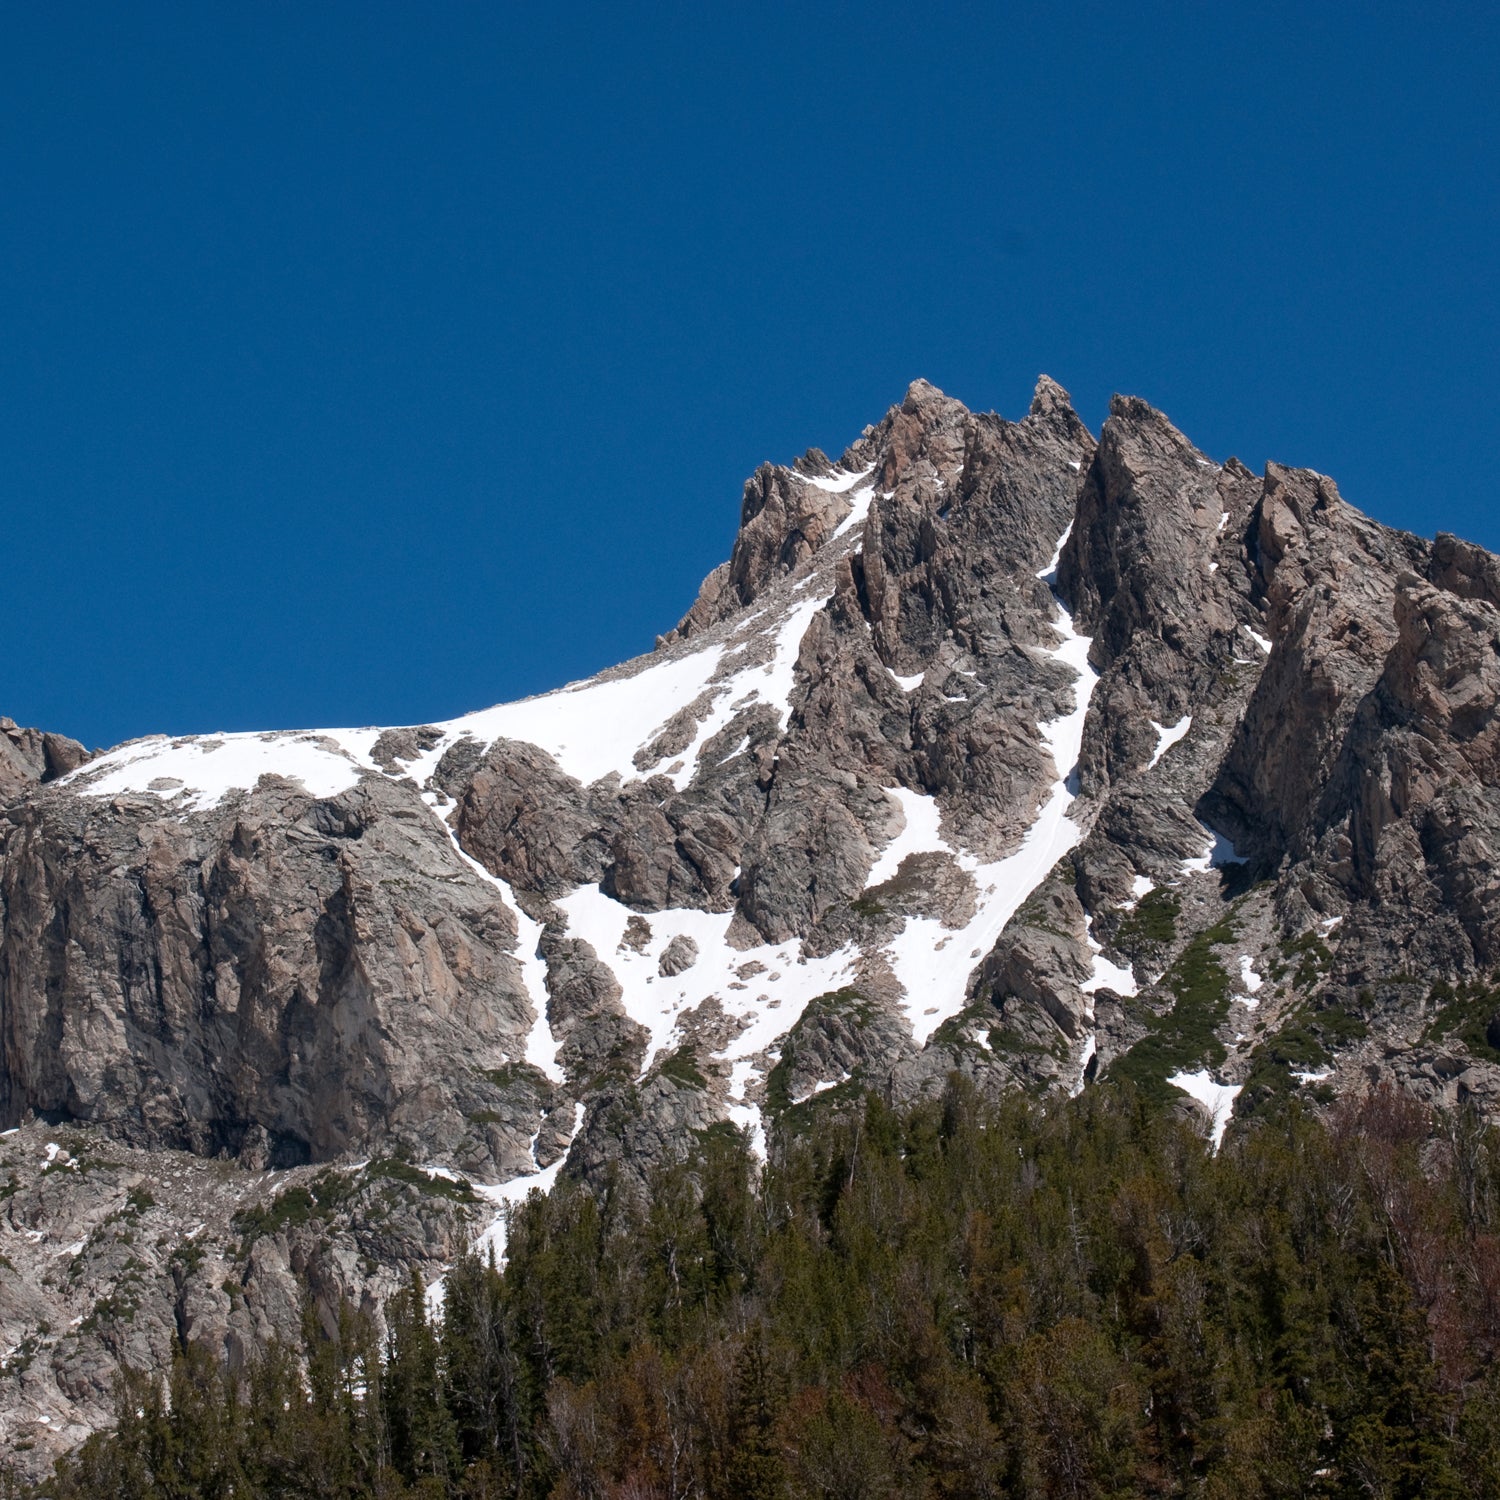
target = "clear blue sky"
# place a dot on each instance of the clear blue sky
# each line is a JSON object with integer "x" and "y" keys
{"x": 370, "y": 363}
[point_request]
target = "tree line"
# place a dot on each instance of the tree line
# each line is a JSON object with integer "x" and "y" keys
{"x": 961, "y": 1299}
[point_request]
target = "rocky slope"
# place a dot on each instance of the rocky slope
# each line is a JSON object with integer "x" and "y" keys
{"x": 992, "y": 748}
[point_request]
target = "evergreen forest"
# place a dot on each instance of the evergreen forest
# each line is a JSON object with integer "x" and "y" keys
{"x": 961, "y": 1299}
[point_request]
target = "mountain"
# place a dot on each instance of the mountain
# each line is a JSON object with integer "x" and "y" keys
{"x": 993, "y": 749}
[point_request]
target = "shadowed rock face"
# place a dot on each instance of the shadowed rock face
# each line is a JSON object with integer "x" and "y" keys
{"x": 29, "y": 757}
{"x": 828, "y": 836}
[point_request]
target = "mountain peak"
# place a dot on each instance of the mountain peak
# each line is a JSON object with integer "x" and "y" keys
{"x": 1049, "y": 397}
{"x": 921, "y": 393}
{"x": 942, "y": 773}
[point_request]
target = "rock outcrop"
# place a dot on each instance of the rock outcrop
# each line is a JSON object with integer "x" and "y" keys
{"x": 29, "y": 757}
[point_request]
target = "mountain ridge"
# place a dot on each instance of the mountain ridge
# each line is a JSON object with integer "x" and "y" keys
{"x": 992, "y": 749}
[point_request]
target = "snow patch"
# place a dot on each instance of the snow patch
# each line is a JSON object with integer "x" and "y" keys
{"x": 1219, "y": 854}
{"x": 593, "y": 729}
{"x": 1109, "y": 976}
{"x": 921, "y": 833}
{"x": 859, "y": 510}
{"x": 1106, "y": 975}
{"x": 780, "y": 679}
{"x": 1248, "y": 977}
{"x": 820, "y": 1087}
{"x": 771, "y": 683}
{"x": 748, "y": 1117}
{"x": 1259, "y": 639}
{"x": 199, "y": 772}
{"x": 742, "y": 1112}
{"x": 1090, "y": 1049}
{"x": 1166, "y": 738}
{"x": 1217, "y": 1098}
{"x": 657, "y": 1002}
{"x": 836, "y": 483}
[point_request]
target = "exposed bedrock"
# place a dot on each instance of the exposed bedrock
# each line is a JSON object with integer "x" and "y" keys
{"x": 287, "y": 976}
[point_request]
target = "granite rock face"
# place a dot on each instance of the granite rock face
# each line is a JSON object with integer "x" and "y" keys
{"x": 991, "y": 750}
{"x": 289, "y": 977}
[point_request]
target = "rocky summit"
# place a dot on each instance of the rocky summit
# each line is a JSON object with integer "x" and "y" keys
{"x": 994, "y": 748}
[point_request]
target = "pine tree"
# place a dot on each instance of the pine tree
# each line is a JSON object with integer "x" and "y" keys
{"x": 754, "y": 1469}
{"x": 423, "y": 1437}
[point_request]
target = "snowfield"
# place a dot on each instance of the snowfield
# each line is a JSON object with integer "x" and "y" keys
{"x": 198, "y": 772}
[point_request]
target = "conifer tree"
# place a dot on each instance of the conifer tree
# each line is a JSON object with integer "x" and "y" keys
{"x": 423, "y": 1436}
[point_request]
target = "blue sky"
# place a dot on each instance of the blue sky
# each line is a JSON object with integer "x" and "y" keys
{"x": 369, "y": 363}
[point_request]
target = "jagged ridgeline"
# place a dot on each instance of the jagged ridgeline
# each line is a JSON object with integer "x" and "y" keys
{"x": 992, "y": 751}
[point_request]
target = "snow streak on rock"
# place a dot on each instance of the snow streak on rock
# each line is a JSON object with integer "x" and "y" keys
{"x": 1106, "y": 975}
{"x": 505, "y": 1196}
{"x": 541, "y": 1045}
{"x": 933, "y": 962}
